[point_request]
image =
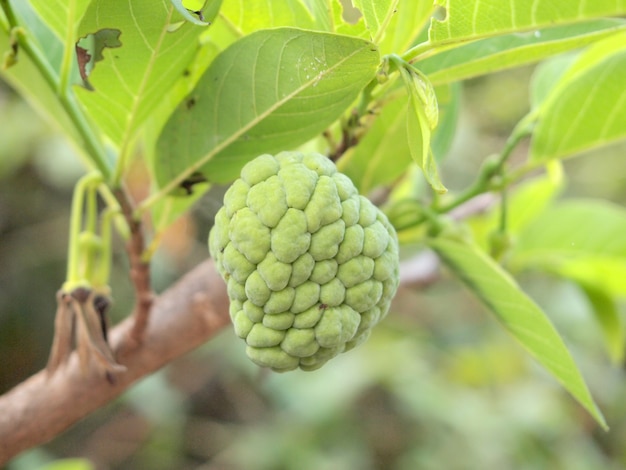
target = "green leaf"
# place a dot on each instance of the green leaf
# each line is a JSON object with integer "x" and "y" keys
{"x": 512, "y": 50}
{"x": 422, "y": 118}
{"x": 405, "y": 25}
{"x": 26, "y": 78}
{"x": 62, "y": 16}
{"x": 320, "y": 10}
{"x": 167, "y": 210}
{"x": 587, "y": 107}
{"x": 131, "y": 80}
{"x": 546, "y": 75}
{"x": 449, "y": 101}
{"x": 466, "y": 20}
{"x": 518, "y": 314}
{"x": 341, "y": 26}
{"x": 377, "y": 15}
{"x": 330, "y": 15}
{"x": 272, "y": 90}
{"x": 383, "y": 154}
{"x": 608, "y": 318}
{"x": 252, "y": 15}
{"x": 581, "y": 240}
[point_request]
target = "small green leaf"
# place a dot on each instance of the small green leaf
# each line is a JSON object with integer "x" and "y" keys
{"x": 422, "y": 118}
{"x": 272, "y": 90}
{"x": 608, "y": 318}
{"x": 587, "y": 107}
{"x": 491, "y": 54}
{"x": 518, "y": 314}
{"x": 468, "y": 20}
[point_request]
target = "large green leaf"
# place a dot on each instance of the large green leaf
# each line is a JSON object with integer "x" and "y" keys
{"x": 131, "y": 80}
{"x": 270, "y": 91}
{"x": 511, "y": 50}
{"x": 582, "y": 240}
{"x": 519, "y": 315}
{"x": 466, "y": 20}
{"x": 587, "y": 107}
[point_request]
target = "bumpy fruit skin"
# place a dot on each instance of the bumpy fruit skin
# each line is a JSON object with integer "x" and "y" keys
{"x": 311, "y": 266}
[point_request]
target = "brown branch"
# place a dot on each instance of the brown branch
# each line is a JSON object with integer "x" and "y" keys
{"x": 182, "y": 318}
{"x": 139, "y": 269}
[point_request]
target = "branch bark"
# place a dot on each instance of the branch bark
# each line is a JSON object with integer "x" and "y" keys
{"x": 139, "y": 268}
{"x": 182, "y": 318}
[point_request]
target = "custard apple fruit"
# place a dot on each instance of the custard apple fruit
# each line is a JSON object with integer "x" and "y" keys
{"x": 310, "y": 265}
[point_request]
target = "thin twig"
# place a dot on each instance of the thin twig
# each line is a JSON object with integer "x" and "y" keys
{"x": 139, "y": 269}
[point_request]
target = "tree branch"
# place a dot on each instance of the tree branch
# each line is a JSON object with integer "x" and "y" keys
{"x": 182, "y": 318}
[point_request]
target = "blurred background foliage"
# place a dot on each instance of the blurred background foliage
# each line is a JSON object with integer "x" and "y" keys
{"x": 438, "y": 385}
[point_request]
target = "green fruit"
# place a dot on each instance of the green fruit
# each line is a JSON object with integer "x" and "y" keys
{"x": 311, "y": 266}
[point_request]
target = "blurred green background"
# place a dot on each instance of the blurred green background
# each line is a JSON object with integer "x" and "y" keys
{"x": 439, "y": 385}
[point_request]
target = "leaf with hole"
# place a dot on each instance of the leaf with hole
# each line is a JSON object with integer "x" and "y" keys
{"x": 131, "y": 79}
